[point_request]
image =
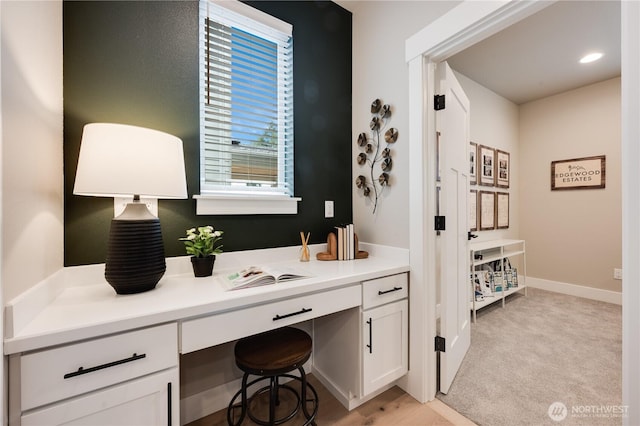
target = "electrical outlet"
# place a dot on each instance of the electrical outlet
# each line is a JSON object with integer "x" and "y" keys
{"x": 119, "y": 203}
{"x": 617, "y": 274}
{"x": 328, "y": 209}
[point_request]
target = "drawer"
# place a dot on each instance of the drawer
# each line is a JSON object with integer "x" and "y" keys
{"x": 213, "y": 330}
{"x": 59, "y": 373}
{"x": 384, "y": 290}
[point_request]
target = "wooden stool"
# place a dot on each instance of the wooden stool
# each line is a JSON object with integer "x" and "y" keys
{"x": 272, "y": 355}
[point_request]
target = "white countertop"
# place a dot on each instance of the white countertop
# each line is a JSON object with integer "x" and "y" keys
{"x": 89, "y": 309}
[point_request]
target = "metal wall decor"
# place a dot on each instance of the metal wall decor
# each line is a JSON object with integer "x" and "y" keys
{"x": 373, "y": 153}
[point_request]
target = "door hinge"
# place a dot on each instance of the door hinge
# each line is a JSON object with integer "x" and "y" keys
{"x": 440, "y": 345}
{"x": 438, "y": 102}
{"x": 439, "y": 223}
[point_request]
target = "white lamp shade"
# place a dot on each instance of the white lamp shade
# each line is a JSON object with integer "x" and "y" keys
{"x": 118, "y": 160}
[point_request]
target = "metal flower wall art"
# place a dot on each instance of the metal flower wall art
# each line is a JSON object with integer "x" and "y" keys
{"x": 375, "y": 157}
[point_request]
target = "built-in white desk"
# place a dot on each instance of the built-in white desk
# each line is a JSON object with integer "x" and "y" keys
{"x": 79, "y": 351}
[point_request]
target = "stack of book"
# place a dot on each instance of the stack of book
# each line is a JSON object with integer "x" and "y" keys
{"x": 346, "y": 242}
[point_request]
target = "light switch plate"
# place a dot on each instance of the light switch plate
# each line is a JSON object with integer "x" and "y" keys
{"x": 328, "y": 209}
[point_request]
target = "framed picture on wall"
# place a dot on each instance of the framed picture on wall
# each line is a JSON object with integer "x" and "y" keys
{"x": 502, "y": 169}
{"x": 473, "y": 210}
{"x": 487, "y": 210}
{"x": 502, "y": 210}
{"x": 486, "y": 165}
{"x": 473, "y": 163}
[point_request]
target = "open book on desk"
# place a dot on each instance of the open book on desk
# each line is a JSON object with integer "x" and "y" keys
{"x": 254, "y": 276}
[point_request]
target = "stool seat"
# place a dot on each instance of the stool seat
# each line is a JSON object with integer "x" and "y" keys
{"x": 272, "y": 356}
{"x": 273, "y": 352}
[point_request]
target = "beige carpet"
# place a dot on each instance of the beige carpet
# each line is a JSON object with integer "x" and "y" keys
{"x": 542, "y": 349}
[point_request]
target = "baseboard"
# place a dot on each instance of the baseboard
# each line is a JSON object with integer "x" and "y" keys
{"x": 351, "y": 401}
{"x": 331, "y": 387}
{"x": 608, "y": 296}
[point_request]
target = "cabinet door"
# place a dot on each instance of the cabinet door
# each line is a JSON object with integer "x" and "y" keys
{"x": 385, "y": 345}
{"x": 152, "y": 400}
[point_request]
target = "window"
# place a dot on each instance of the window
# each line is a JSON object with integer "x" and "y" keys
{"x": 246, "y": 108}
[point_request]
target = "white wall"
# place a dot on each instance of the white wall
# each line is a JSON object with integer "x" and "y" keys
{"x": 380, "y": 29}
{"x": 494, "y": 123}
{"x": 32, "y": 163}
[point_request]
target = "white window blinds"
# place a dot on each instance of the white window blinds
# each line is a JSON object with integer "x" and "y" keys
{"x": 246, "y": 105}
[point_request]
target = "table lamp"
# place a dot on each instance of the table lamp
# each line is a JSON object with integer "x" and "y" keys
{"x": 118, "y": 160}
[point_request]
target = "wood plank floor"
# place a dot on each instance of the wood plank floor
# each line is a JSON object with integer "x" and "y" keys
{"x": 393, "y": 407}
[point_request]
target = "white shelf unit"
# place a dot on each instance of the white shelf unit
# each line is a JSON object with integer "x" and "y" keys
{"x": 491, "y": 251}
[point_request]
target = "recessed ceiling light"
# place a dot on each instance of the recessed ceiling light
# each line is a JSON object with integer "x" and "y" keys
{"x": 590, "y": 57}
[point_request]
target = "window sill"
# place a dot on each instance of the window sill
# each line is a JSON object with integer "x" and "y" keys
{"x": 243, "y": 204}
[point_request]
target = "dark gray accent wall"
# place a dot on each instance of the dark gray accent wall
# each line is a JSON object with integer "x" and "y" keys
{"x": 136, "y": 62}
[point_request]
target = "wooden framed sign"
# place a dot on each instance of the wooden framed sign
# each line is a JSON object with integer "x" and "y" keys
{"x": 578, "y": 173}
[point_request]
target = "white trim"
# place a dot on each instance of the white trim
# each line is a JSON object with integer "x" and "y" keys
{"x": 479, "y": 25}
{"x": 421, "y": 382}
{"x": 630, "y": 49}
{"x": 592, "y": 293}
{"x": 459, "y": 28}
{"x": 256, "y": 204}
{"x": 246, "y": 16}
{"x": 467, "y": 24}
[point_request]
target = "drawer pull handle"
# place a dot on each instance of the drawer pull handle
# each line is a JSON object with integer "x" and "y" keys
{"x": 169, "y": 404}
{"x": 302, "y": 311}
{"x": 380, "y": 292}
{"x": 370, "y": 345}
{"x": 83, "y": 370}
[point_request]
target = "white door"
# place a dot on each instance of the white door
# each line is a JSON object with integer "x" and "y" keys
{"x": 452, "y": 124}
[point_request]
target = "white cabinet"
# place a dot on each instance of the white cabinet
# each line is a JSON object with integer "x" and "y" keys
{"x": 146, "y": 401}
{"x": 380, "y": 327}
{"x": 124, "y": 379}
{"x": 385, "y": 332}
{"x": 484, "y": 252}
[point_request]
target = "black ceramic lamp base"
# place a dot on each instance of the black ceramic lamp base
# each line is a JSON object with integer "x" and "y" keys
{"x": 135, "y": 251}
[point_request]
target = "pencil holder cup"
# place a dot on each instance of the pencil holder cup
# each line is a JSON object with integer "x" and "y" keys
{"x": 304, "y": 254}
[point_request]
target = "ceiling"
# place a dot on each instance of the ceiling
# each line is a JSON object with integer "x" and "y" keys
{"x": 538, "y": 56}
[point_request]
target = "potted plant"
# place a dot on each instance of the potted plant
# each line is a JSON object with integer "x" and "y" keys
{"x": 203, "y": 243}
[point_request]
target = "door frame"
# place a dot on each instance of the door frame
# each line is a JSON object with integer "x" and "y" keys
{"x": 461, "y": 27}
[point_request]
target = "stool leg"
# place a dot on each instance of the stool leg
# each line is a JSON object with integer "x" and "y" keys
{"x": 273, "y": 398}
{"x": 243, "y": 403}
{"x": 303, "y": 393}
